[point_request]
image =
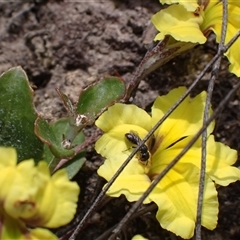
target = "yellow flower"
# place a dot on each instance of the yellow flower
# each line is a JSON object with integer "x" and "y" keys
{"x": 31, "y": 197}
{"x": 189, "y": 21}
{"x": 176, "y": 195}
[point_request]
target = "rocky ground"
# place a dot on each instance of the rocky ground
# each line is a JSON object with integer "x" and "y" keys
{"x": 68, "y": 45}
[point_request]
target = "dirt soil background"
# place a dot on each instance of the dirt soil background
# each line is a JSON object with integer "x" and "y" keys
{"x": 70, "y": 44}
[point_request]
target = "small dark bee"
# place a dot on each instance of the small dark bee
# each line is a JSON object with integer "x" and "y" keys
{"x": 143, "y": 151}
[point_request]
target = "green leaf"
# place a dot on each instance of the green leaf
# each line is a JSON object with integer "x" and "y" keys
{"x": 74, "y": 165}
{"x": 94, "y": 99}
{"x": 17, "y": 115}
{"x": 53, "y": 137}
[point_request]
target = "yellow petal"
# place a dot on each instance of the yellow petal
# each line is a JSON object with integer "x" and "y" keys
{"x": 18, "y": 190}
{"x": 176, "y": 197}
{"x": 111, "y": 165}
{"x": 185, "y": 120}
{"x": 179, "y": 23}
{"x": 119, "y": 114}
{"x": 40, "y": 234}
{"x": 234, "y": 58}
{"x": 212, "y": 16}
{"x": 232, "y": 28}
{"x": 8, "y": 157}
{"x": 163, "y": 157}
{"x": 7, "y": 179}
{"x": 213, "y": 20}
{"x": 190, "y": 5}
{"x": 234, "y": 2}
{"x": 139, "y": 237}
{"x": 219, "y": 160}
{"x": 65, "y": 194}
{"x": 218, "y": 165}
{"x": 131, "y": 186}
{"x": 132, "y": 182}
{"x": 114, "y": 141}
{"x": 56, "y": 201}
